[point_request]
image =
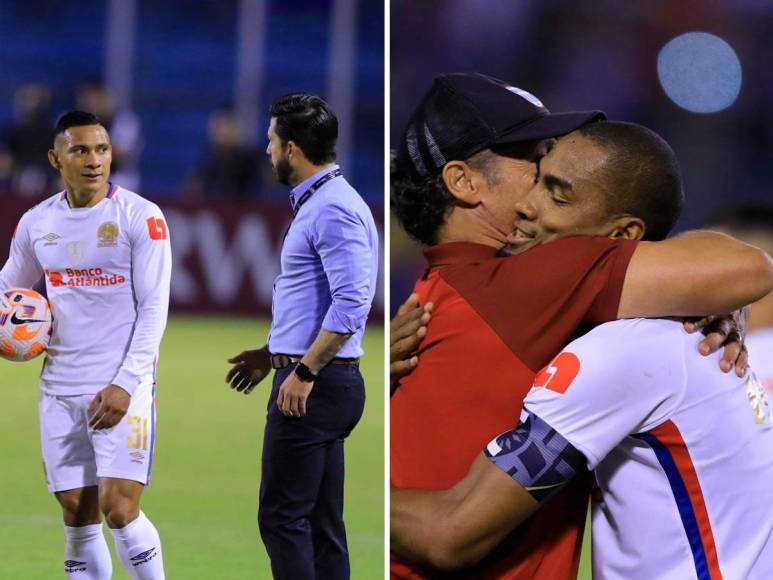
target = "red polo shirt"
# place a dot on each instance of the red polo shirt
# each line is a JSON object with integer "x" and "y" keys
{"x": 496, "y": 322}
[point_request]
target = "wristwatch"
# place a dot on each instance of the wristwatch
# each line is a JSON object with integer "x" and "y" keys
{"x": 304, "y": 373}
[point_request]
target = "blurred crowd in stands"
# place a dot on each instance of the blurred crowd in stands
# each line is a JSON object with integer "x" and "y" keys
{"x": 177, "y": 76}
{"x": 228, "y": 165}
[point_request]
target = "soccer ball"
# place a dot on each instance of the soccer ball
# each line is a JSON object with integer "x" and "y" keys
{"x": 25, "y": 324}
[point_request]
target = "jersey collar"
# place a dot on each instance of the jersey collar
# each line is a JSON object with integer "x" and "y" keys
{"x": 112, "y": 189}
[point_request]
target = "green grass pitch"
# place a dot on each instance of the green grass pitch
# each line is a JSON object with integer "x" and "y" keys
{"x": 203, "y": 497}
{"x": 585, "y": 558}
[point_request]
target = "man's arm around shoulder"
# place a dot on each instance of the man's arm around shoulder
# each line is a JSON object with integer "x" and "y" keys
{"x": 694, "y": 274}
{"x": 456, "y": 528}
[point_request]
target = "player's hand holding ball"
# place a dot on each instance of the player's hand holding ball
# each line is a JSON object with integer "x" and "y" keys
{"x": 108, "y": 407}
{"x": 249, "y": 368}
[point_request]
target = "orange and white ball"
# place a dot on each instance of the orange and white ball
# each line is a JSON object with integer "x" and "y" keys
{"x": 25, "y": 324}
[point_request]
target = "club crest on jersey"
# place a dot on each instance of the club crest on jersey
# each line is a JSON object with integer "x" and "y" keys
{"x": 107, "y": 234}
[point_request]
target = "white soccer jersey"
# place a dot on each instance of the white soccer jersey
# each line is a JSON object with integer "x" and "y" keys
{"x": 683, "y": 453}
{"x": 760, "y": 345}
{"x": 107, "y": 271}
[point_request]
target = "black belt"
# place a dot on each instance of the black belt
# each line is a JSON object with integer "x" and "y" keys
{"x": 281, "y": 361}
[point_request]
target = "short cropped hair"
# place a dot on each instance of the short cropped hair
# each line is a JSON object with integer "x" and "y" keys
{"x": 642, "y": 175}
{"x": 308, "y": 121}
{"x": 75, "y": 119}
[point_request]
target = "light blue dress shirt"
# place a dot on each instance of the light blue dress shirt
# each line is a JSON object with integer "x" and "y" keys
{"x": 329, "y": 265}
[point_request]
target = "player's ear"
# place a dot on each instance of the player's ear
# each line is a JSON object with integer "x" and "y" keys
{"x": 53, "y": 159}
{"x": 627, "y": 228}
{"x": 462, "y": 181}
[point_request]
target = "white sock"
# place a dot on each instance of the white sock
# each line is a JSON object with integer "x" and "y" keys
{"x": 86, "y": 555}
{"x": 139, "y": 548}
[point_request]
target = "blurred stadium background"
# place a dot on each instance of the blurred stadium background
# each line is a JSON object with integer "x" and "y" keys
{"x": 610, "y": 55}
{"x": 604, "y": 55}
{"x": 184, "y": 89}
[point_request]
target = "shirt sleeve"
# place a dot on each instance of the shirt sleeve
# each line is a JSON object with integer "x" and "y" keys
{"x": 608, "y": 277}
{"x": 541, "y": 299}
{"x": 151, "y": 277}
{"x": 343, "y": 244}
{"x": 622, "y": 378}
{"x": 22, "y": 269}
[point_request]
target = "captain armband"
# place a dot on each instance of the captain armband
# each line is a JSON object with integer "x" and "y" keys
{"x": 537, "y": 457}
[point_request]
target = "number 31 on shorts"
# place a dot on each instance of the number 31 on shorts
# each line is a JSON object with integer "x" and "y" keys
{"x": 138, "y": 437}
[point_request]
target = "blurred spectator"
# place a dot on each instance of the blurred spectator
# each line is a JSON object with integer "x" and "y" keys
{"x": 125, "y": 132}
{"x": 754, "y": 225}
{"x": 6, "y": 170}
{"x": 229, "y": 168}
{"x": 24, "y": 168}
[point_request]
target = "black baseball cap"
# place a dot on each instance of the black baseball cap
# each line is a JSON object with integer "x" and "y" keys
{"x": 464, "y": 113}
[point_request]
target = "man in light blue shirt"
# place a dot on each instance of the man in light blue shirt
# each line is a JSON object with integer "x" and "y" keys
{"x": 321, "y": 302}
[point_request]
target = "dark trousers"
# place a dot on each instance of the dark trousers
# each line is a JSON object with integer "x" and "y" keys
{"x": 302, "y": 482}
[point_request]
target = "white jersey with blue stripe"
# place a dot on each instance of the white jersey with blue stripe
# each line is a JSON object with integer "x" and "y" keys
{"x": 683, "y": 453}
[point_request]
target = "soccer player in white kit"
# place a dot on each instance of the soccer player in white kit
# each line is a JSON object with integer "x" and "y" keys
{"x": 682, "y": 453}
{"x": 105, "y": 256}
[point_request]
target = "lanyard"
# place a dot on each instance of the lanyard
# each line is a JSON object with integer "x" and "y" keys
{"x": 314, "y": 187}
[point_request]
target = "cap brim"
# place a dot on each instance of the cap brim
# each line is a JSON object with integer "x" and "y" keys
{"x": 548, "y": 126}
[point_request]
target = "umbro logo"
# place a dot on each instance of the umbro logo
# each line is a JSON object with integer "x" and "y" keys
{"x": 51, "y": 239}
{"x": 144, "y": 557}
{"x": 71, "y": 563}
{"x": 71, "y": 566}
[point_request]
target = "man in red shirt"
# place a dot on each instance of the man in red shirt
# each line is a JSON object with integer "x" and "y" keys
{"x": 454, "y": 528}
{"x": 498, "y": 321}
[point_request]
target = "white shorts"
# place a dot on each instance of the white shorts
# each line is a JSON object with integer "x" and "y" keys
{"x": 74, "y": 455}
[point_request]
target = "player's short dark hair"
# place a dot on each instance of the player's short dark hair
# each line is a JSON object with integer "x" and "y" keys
{"x": 422, "y": 204}
{"x": 75, "y": 119}
{"x": 642, "y": 175}
{"x": 308, "y": 121}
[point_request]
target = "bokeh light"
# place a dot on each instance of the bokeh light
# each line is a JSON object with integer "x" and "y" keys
{"x": 700, "y": 72}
